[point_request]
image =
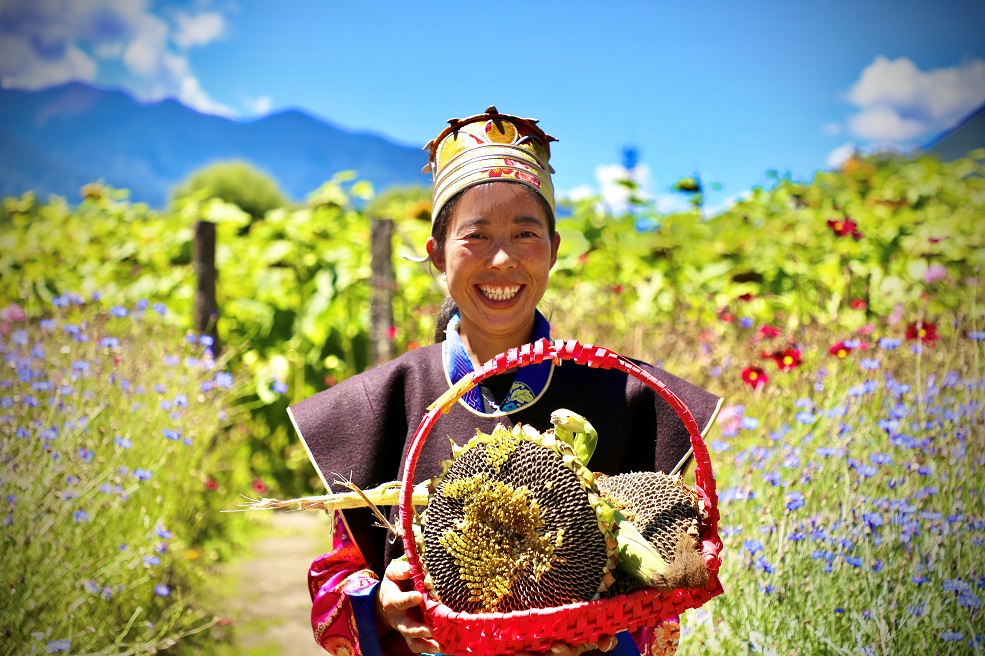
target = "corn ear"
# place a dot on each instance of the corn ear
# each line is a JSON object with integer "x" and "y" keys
{"x": 577, "y": 431}
{"x": 638, "y": 558}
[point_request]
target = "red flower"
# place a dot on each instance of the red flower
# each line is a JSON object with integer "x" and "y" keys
{"x": 841, "y": 349}
{"x": 725, "y": 315}
{"x": 754, "y": 377}
{"x": 768, "y": 331}
{"x": 858, "y": 304}
{"x": 259, "y": 486}
{"x": 925, "y": 332}
{"x": 844, "y": 228}
{"x": 746, "y": 297}
{"x": 212, "y": 484}
{"x": 617, "y": 289}
{"x": 391, "y": 332}
{"x": 787, "y": 359}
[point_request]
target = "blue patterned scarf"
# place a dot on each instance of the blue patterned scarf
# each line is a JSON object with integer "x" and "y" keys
{"x": 528, "y": 383}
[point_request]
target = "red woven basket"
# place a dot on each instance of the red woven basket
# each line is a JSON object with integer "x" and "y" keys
{"x": 491, "y": 634}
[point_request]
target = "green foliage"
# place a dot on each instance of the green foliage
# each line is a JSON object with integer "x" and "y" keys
{"x": 294, "y": 291}
{"x": 849, "y": 492}
{"x": 772, "y": 257}
{"x": 119, "y": 450}
{"x": 410, "y": 202}
{"x": 235, "y": 182}
{"x": 870, "y": 251}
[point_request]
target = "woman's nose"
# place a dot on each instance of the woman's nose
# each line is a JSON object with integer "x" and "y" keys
{"x": 503, "y": 255}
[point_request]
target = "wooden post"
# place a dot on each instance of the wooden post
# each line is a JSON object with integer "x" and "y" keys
{"x": 383, "y": 283}
{"x": 206, "y": 306}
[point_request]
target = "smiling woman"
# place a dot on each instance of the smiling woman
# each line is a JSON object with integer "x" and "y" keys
{"x": 493, "y": 238}
{"x": 496, "y": 254}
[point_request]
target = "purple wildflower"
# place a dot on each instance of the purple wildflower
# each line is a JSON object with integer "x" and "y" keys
{"x": 881, "y": 459}
{"x": 795, "y": 500}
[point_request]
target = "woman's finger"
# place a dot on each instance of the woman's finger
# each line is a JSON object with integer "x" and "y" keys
{"x": 411, "y": 628}
{"x": 562, "y": 649}
{"x": 398, "y": 570}
{"x": 607, "y": 643}
{"x": 400, "y": 600}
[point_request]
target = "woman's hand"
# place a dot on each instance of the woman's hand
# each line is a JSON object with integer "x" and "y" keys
{"x": 605, "y": 643}
{"x": 397, "y": 606}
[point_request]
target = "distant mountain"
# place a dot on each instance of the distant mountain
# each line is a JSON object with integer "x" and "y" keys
{"x": 55, "y": 140}
{"x": 967, "y": 135}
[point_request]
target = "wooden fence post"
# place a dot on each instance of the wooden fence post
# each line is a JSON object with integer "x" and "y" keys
{"x": 206, "y": 306}
{"x": 383, "y": 284}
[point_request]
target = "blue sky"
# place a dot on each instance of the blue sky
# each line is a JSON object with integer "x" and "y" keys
{"x": 724, "y": 89}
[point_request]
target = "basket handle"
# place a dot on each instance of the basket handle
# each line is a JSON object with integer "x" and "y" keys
{"x": 558, "y": 351}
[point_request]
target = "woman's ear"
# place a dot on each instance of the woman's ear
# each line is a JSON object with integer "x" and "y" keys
{"x": 436, "y": 254}
{"x": 554, "y": 248}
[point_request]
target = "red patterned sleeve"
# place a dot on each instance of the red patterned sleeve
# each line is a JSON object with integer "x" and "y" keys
{"x": 342, "y": 592}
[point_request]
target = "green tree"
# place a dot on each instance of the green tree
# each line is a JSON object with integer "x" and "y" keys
{"x": 233, "y": 181}
{"x": 412, "y": 201}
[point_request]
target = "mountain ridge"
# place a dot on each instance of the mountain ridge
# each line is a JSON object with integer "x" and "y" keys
{"x": 74, "y": 131}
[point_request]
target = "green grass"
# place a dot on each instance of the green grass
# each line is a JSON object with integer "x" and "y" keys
{"x": 117, "y": 451}
{"x": 851, "y": 495}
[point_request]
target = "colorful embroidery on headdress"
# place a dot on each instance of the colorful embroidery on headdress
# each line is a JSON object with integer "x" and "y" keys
{"x": 486, "y": 147}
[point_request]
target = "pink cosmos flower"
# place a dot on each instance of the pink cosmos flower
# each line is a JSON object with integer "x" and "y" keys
{"x": 12, "y": 313}
{"x": 934, "y": 273}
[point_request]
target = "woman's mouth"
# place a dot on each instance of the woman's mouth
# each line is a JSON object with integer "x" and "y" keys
{"x": 499, "y": 292}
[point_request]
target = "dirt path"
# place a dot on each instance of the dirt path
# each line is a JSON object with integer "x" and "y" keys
{"x": 268, "y": 596}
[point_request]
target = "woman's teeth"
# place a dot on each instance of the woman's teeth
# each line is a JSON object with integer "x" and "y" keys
{"x": 499, "y": 293}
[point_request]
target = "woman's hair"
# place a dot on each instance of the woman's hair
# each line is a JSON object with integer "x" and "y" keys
{"x": 439, "y": 230}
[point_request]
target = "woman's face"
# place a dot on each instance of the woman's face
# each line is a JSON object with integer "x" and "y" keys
{"x": 497, "y": 256}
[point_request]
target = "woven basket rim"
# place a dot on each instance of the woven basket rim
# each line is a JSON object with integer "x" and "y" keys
{"x": 596, "y": 357}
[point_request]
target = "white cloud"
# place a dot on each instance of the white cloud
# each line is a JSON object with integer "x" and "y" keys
{"x": 581, "y": 192}
{"x": 616, "y": 195}
{"x": 832, "y": 129}
{"x": 726, "y": 203}
{"x": 198, "y": 30}
{"x": 840, "y": 155}
{"x": 885, "y": 125}
{"x": 48, "y": 42}
{"x": 261, "y": 105}
{"x": 108, "y": 50}
{"x": 143, "y": 55}
{"x": 20, "y": 68}
{"x": 670, "y": 203}
{"x": 898, "y": 102}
